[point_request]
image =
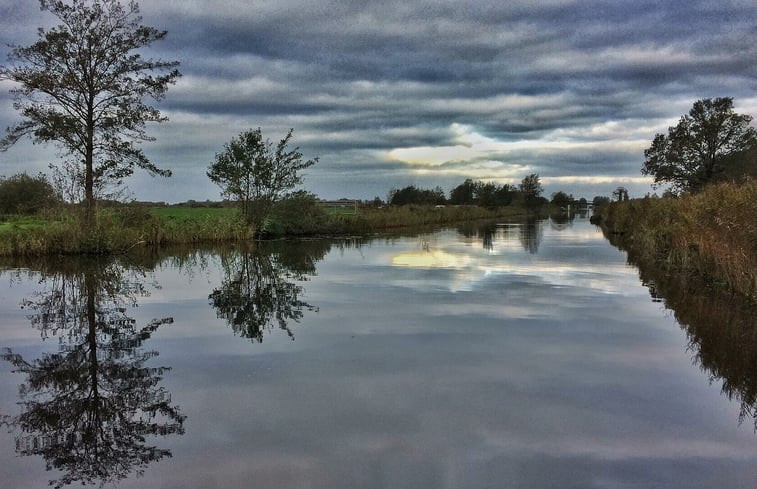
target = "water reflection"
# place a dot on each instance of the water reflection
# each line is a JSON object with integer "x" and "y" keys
{"x": 529, "y": 233}
{"x": 89, "y": 407}
{"x": 721, "y": 329}
{"x": 259, "y": 289}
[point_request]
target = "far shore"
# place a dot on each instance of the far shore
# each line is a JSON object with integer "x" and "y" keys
{"x": 121, "y": 228}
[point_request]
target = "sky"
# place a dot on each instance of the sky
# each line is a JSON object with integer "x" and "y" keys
{"x": 394, "y": 93}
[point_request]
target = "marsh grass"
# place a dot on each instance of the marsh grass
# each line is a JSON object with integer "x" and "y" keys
{"x": 712, "y": 233}
{"x": 122, "y": 228}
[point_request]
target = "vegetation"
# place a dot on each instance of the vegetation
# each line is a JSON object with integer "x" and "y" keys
{"x": 117, "y": 229}
{"x": 123, "y": 227}
{"x": 257, "y": 175}
{"x": 600, "y": 200}
{"x": 531, "y": 189}
{"x": 413, "y": 195}
{"x": 620, "y": 193}
{"x": 719, "y": 325}
{"x": 489, "y": 195}
{"x": 83, "y": 85}
{"x": 696, "y": 151}
{"x": 561, "y": 199}
{"x": 23, "y": 194}
{"x": 712, "y": 234}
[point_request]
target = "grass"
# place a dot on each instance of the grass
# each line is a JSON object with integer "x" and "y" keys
{"x": 120, "y": 229}
{"x": 20, "y": 223}
{"x": 192, "y": 213}
{"x": 712, "y": 233}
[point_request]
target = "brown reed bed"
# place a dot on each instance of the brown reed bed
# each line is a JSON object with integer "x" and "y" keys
{"x": 712, "y": 233}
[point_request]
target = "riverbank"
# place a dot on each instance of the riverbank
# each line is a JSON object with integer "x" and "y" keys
{"x": 712, "y": 234}
{"x": 120, "y": 229}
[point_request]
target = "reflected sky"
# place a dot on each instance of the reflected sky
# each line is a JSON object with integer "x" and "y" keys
{"x": 432, "y": 361}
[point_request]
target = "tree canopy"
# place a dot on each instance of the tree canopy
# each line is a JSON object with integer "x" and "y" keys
{"x": 256, "y": 174}
{"x": 419, "y": 196}
{"x": 82, "y": 86}
{"x": 695, "y": 150}
{"x": 532, "y": 189}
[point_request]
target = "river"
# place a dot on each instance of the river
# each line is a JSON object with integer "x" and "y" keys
{"x": 508, "y": 355}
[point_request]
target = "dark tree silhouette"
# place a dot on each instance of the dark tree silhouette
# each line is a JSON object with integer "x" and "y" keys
{"x": 620, "y": 193}
{"x": 88, "y": 408}
{"x": 260, "y": 290}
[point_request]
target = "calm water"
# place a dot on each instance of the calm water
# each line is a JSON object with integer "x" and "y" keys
{"x": 512, "y": 356}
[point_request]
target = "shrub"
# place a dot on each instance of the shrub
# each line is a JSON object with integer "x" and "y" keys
{"x": 23, "y": 194}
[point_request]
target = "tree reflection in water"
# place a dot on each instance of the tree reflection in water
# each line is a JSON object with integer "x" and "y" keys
{"x": 721, "y": 328}
{"x": 88, "y": 408}
{"x": 259, "y": 290}
{"x": 531, "y": 235}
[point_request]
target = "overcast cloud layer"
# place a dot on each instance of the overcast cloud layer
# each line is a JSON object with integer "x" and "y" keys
{"x": 394, "y": 93}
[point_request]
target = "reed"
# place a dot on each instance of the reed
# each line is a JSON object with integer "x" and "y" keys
{"x": 712, "y": 233}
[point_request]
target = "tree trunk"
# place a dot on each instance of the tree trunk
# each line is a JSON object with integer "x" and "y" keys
{"x": 89, "y": 174}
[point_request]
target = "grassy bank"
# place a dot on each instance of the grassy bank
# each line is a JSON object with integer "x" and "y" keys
{"x": 117, "y": 230}
{"x": 712, "y": 234}
{"x": 120, "y": 229}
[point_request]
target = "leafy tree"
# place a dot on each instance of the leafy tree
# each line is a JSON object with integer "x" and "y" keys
{"x": 83, "y": 85}
{"x": 739, "y": 166}
{"x": 491, "y": 195}
{"x": 600, "y": 200}
{"x": 257, "y": 174}
{"x": 413, "y": 195}
{"x": 463, "y": 194}
{"x": 531, "y": 189}
{"x": 561, "y": 199}
{"x": 694, "y": 150}
{"x": 23, "y": 194}
{"x": 488, "y": 194}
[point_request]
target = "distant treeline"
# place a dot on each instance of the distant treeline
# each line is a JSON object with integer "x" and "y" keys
{"x": 487, "y": 194}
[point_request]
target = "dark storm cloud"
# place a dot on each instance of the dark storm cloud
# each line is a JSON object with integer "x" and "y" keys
{"x": 569, "y": 89}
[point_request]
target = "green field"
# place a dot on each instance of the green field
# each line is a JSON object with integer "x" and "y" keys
{"x": 193, "y": 213}
{"x": 21, "y": 224}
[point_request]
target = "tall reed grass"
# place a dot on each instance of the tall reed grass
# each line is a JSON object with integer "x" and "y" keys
{"x": 712, "y": 233}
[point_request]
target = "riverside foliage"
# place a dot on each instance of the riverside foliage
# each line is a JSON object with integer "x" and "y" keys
{"x": 122, "y": 228}
{"x": 712, "y": 233}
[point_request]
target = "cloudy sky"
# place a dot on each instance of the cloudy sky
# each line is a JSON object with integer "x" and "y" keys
{"x": 393, "y": 93}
